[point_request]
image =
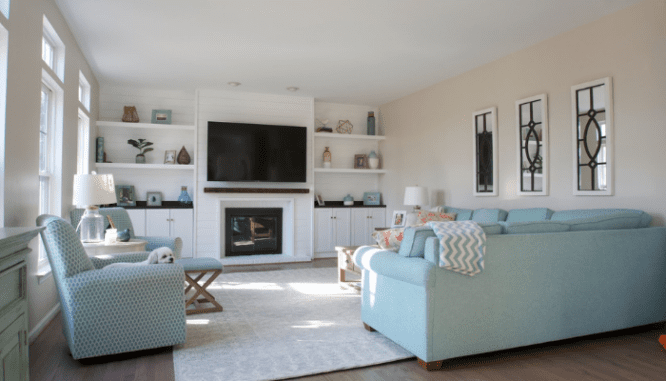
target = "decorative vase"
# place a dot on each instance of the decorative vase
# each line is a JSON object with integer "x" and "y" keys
{"x": 371, "y": 123}
{"x": 373, "y": 160}
{"x": 184, "y": 198}
{"x": 327, "y": 158}
{"x": 183, "y": 156}
{"x": 130, "y": 115}
{"x": 140, "y": 159}
{"x": 348, "y": 200}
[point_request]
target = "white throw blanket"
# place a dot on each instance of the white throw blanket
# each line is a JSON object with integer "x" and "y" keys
{"x": 462, "y": 245}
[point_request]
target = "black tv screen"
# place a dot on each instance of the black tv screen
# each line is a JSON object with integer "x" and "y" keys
{"x": 256, "y": 152}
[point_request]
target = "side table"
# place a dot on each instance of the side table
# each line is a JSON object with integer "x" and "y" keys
{"x": 101, "y": 248}
{"x": 346, "y": 264}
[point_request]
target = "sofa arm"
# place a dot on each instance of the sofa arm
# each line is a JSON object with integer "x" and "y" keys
{"x": 431, "y": 251}
{"x": 99, "y": 261}
{"x": 175, "y": 244}
{"x": 412, "y": 270}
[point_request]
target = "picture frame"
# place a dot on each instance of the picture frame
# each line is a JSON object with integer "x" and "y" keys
{"x": 319, "y": 199}
{"x": 125, "y": 195}
{"x": 398, "y": 220}
{"x": 170, "y": 157}
{"x": 161, "y": 117}
{"x": 372, "y": 198}
{"x": 360, "y": 161}
{"x": 154, "y": 199}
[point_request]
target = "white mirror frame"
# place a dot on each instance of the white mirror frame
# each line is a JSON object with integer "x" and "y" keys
{"x": 493, "y": 118}
{"x": 544, "y": 145}
{"x": 608, "y": 103}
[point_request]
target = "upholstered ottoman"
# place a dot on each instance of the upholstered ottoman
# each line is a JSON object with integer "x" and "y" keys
{"x": 195, "y": 270}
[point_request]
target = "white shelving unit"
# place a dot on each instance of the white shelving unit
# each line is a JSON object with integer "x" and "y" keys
{"x": 171, "y": 167}
{"x": 335, "y": 135}
{"x": 351, "y": 170}
{"x": 102, "y": 123}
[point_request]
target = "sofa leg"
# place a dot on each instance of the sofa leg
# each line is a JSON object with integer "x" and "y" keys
{"x": 369, "y": 328}
{"x": 432, "y": 365}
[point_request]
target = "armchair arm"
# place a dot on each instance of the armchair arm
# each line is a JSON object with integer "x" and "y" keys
{"x": 99, "y": 261}
{"x": 175, "y": 244}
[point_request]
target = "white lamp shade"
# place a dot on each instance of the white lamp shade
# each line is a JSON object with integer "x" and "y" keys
{"x": 94, "y": 190}
{"x": 416, "y": 196}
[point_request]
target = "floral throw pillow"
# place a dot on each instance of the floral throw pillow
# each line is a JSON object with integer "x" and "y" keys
{"x": 425, "y": 216}
{"x": 389, "y": 239}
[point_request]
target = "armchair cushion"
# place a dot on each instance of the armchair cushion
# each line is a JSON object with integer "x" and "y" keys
{"x": 100, "y": 261}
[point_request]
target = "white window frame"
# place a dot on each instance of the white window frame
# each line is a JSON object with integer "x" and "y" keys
{"x": 4, "y": 8}
{"x": 83, "y": 144}
{"x": 4, "y": 43}
{"x": 58, "y": 65}
{"x": 55, "y": 143}
{"x": 84, "y": 91}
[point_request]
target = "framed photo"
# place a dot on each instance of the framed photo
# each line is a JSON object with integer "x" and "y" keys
{"x": 125, "y": 195}
{"x": 170, "y": 157}
{"x": 398, "y": 220}
{"x": 161, "y": 117}
{"x": 371, "y": 198}
{"x": 154, "y": 199}
{"x": 320, "y": 201}
{"x": 360, "y": 161}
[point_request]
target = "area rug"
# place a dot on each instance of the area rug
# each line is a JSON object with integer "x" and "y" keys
{"x": 277, "y": 325}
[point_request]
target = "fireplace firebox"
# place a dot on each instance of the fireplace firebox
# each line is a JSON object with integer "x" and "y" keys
{"x": 253, "y": 231}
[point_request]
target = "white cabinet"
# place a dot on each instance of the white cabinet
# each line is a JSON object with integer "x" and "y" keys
{"x": 165, "y": 223}
{"x": 332, "y": 228}
{"x": 363, "y": 224}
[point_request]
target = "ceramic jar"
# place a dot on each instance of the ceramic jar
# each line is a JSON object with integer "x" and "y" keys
{"x": 373, "y": 160}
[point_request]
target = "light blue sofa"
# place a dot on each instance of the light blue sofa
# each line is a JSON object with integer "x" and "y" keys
{"x": 548, "y": 276}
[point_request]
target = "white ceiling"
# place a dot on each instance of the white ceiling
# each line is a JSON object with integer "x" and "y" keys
{"x": 361, "y": 52}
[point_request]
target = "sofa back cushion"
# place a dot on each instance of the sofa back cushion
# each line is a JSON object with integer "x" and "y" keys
{"x": 603, "y": 219}
{"x": 461, "y": 214}
{"x": 534, "y": 227}
{"x": 489, "y": 215}
{"x": 531, "y": 214}
{"x": 491, "y": 228}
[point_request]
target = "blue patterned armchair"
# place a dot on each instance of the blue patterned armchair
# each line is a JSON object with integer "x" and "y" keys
{"x": 122, "y": 221}
{"x": 113, "y": 310}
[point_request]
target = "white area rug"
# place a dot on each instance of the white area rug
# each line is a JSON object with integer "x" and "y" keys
{"x": 280, "y": 324}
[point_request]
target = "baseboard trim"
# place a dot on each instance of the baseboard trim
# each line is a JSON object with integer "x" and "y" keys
{"x": 32, "y": 336}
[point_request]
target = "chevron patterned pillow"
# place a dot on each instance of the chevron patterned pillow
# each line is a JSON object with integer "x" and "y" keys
{"x": 389, "y": 239}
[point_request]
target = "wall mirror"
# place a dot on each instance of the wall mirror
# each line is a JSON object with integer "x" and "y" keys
{"x": 532, "y": 127}
{"x": 592, "y": 112}
{"x": 484, "y": 124}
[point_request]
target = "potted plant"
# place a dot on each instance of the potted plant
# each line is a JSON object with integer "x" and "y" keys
{"x": 141, "y": 144}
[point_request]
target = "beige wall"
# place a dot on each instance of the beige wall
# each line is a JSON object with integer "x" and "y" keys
{"x": 22, "y": 129}
{"x": 429, "y": 138}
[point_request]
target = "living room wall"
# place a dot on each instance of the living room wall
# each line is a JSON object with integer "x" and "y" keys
{"x": 429, "y": 133}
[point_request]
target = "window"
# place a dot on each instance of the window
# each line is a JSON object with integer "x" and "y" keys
{"x": 84, "y": 91}
{"x": 83, "y": 146}
{"x": 4, "y": 7}
{"x": 53, "y": 50}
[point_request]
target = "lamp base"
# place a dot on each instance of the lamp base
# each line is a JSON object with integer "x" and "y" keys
{"x": 92, "y": 225}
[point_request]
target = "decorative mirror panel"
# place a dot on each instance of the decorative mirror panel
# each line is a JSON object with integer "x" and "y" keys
{"x": 592, "y": 111}
{"x": 485, "y": 152}
{"x": 532, "y": 124}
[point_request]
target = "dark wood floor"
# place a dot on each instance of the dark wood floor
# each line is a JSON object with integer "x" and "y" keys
{"x": 632, "y": 354}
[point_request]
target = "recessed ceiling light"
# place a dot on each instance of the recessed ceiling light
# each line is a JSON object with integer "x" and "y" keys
{"x": 234, "y": 84}
{"x": 292, "y": 88}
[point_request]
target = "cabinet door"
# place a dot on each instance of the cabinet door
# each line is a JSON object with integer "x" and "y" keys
{"x": 138, "y": 217}
{"x": 359, "y": 226}
{"x": 14, "y": 352}
{"x": 323, "y": 230}
{"x": 157, "y": 223}
{"x": 181, "y": 226}
{"x": 377, "y": 220}
{"x": 342, "y": 227}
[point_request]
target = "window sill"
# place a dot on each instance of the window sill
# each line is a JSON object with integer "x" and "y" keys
{"x": 43, "y": 272}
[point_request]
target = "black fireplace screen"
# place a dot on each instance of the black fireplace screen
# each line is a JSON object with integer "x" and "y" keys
{"x": 251, "y": 231}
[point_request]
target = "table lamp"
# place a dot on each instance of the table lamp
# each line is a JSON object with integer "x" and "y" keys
{"x": 416, "y": 196}
{"x": 89, "y": 192}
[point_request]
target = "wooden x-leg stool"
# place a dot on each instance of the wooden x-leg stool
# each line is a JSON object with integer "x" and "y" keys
{"x": 195, "y": 270}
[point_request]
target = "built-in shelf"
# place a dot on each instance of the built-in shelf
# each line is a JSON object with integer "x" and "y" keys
{"x": 182, "y": 127}
{"x": 257, "y": 190}
{"x": 145, "y": 166}
{"x": 336, "y": 135}
{"x": 350, "y": 170}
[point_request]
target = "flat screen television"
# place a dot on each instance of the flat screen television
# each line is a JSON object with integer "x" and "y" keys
{"x": 256, "y": 152}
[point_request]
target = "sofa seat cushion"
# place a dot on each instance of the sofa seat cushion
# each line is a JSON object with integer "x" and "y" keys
{"x": 416, "y": 271}
{"x": 530, "y": 214}
{"x": 603, "y": 219}
{"x": 534, "y": 227}
{"x": 461, "y": 214}
{"x": 489, "y": 215}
